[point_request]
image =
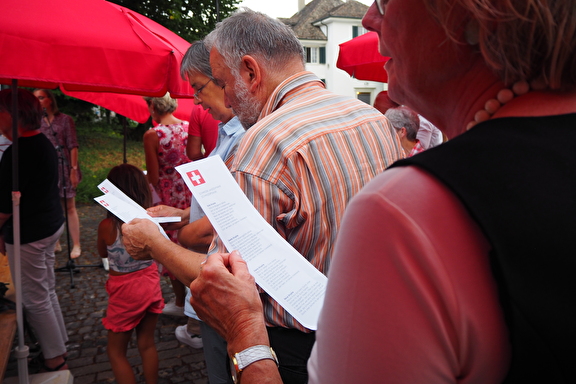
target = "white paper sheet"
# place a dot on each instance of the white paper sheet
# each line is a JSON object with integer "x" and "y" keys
{"x": 277, "y": 267}
{"x": 123, "y": 207}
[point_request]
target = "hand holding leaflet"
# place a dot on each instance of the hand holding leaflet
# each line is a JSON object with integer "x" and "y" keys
{"x": 277, "y": 267}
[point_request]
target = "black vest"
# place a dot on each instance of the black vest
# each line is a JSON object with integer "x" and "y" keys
{"x": 517, "y": 179}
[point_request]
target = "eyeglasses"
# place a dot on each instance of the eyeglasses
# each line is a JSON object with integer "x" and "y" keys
{"x": 199, "y": 91}
{"x": 380, "y": 7}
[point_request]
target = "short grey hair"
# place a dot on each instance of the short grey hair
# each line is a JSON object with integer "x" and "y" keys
{"x": 252, "y": 33}
{"x": 404, "y": 117}
{"x": 196, "y": 59}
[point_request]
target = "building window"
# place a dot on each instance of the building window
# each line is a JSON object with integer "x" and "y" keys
{"x": 315, "y": 55}
{"x": 358, "y": 30}
{"x": 364, "y": 96}
{"x": 311, "y": 55}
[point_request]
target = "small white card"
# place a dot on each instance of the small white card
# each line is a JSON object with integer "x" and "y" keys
{"x": 277, "y": 267}
{"x": 125, "y": 208}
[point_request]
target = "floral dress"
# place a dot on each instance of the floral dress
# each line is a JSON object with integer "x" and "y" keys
{"x": 171, "y": 153}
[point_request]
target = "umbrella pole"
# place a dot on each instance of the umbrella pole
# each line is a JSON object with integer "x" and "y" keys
{"x": 125, "y": 124}
{"x": 21, "y": 351}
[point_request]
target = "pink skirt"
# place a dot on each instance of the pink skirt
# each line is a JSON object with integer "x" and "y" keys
{"x": 130, "y": 296}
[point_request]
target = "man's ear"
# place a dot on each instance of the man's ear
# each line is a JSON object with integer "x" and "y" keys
{"x": 251, "y": 72}
{"x": 402, "y": 132}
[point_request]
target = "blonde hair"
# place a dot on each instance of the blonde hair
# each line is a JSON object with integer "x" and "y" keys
{"x": 531, "y": 40}
{"x": 162, "y": 105}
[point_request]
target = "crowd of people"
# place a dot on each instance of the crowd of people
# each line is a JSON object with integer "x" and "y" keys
{"x": 452, "y": 266}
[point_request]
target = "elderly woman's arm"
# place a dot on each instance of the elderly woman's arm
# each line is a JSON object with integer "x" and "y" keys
{"x": 74, "y": 172}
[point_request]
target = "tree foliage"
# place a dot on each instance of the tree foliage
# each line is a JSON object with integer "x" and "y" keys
{"x": 190, "y": 19}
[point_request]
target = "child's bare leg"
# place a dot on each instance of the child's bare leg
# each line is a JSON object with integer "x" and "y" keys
{"x": 179, "y": 292}
{"x": 147, "y": 347}
{"x": 117, "y": 347}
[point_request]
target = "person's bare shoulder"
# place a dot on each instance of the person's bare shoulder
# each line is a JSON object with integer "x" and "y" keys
{"x": 107, "y": 231}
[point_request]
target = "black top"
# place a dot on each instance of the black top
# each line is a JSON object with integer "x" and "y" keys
{"x": 517, "y": 179}
{"x": 41, "y": 214}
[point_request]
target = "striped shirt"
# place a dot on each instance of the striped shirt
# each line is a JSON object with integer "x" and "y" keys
{"x": 309, "y": 153}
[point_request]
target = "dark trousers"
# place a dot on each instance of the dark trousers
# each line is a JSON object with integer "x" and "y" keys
{"x": 215, "y": 355}
{"x": 293, "y": 349}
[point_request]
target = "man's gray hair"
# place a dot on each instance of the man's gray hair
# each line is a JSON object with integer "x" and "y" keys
{"x": 196, "y": 59}
{"x": 252, "y": 33}
{"x": 404, "y": 117}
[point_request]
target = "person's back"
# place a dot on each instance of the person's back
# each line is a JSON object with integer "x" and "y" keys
{"x": 528, "y": 258}
{"x": 318, "y": 149}
{"x": 300, "y": 166}
{"x": 202, "y": 134}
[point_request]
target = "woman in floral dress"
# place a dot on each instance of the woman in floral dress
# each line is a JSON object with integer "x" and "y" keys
{"x": 165, "y": 149}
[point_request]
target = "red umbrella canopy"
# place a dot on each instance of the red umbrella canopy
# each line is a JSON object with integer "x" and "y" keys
{"x": 89, "y": 45}
{"x": 361, "y": 59}
{"x": 132, "y": 106}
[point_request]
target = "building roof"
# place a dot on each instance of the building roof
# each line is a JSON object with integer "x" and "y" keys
{"x": 302, "y": 22}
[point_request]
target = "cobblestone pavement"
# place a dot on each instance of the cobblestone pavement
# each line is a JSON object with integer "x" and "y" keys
{"x": 83, "y": 307}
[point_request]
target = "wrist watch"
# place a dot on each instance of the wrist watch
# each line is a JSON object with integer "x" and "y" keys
{"x": 241, "y": 360}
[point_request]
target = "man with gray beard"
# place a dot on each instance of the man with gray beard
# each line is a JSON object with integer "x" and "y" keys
{"x": 307, "y": 151}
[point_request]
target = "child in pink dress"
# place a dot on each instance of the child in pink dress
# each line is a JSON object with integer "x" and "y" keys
{"x": 133, "y": 286}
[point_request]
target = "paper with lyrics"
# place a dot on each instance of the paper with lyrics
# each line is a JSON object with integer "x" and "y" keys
{"x": 277, "y": 267}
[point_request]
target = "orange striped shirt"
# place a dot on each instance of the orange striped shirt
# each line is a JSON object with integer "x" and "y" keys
{"x": 300, "y": 164}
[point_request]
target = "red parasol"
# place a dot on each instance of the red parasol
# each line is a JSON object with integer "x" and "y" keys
{"x": 132, "y": 106}
{"x": 361, "y": 59}
{"x": 89, "y": 45}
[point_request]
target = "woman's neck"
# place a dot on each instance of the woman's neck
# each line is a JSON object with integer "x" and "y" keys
{"x": 169, "y": 119}
{"x": 48, "y": 116}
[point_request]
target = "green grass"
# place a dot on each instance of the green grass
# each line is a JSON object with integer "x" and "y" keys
{"x": 100, "y": 149}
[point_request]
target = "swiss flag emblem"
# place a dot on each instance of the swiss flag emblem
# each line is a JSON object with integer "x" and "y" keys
{"x": 195, "y": 177}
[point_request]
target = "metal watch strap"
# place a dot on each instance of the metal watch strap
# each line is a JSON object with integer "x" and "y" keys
{"x": 253, "y": 354}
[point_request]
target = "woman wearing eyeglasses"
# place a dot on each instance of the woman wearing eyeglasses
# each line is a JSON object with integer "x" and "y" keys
{"x": 165, "y": 149}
